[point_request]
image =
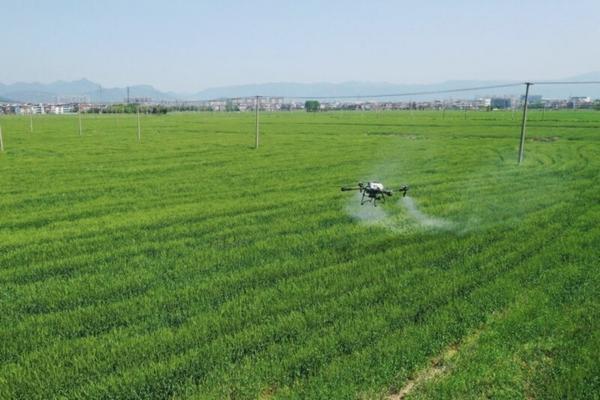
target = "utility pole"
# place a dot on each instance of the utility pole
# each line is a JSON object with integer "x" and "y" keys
{"x": 256, "y": 110}
{"x": 524, "y": 123}
{"x": 543, "y": 111}
{"x": 1, "y": 141}
{"x": 79, "y": 115}
{"x": 139, "y": 133}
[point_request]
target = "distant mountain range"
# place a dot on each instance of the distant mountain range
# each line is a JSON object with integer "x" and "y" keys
{"x": 85, "y": 90}
{"x": 80, "y": 90}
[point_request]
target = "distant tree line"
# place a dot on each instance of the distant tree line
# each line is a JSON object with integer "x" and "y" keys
{"x": 189, "y": 107}
{"x": 231, "y": 107}
{"x": 130, "y": 109}
{"x": 535, "y": 105}
{"x": 312, "y": 106}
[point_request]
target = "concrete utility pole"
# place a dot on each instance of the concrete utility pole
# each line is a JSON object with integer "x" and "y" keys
{"x": 139, "y": 126}
{"x": 256, "y": 109}
{"x": 80, "y": 129}
{"x": 1, "y": 141}
{"x": 543, "y": 112}
{"x": 524, "y": 123}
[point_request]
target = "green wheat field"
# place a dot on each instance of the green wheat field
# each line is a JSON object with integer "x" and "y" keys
{"x": 193, "y": 266}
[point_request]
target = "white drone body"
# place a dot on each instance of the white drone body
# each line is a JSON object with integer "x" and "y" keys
{"x": 372, "y": 192}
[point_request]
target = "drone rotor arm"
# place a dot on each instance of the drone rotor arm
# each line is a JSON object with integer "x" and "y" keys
{"x": 404, "y": 190}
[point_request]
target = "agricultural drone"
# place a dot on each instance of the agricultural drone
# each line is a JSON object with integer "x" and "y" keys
{"x": 374, "y": 192}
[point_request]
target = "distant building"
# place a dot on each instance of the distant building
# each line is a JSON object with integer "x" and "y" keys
{"x": 60, "y": 109}
{"x": 533, "y": 99}
{"x": 500, "y": 102}
{"x": 38, "y": 109}
{"x": 580, "y": 100}
{"x": 56, "y": 109}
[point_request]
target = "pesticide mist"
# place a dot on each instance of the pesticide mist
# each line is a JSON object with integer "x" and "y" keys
{"x": 366, "y": 214}
{"x": 406, "y": 218}
{"x": 424, "y": 220}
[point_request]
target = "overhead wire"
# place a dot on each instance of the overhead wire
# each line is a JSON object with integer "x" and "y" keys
{"x": 406, "y": 94}
{"x": 566, "y": 83}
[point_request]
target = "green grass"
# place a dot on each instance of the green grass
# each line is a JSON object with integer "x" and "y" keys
{"x": 192, "y": 266}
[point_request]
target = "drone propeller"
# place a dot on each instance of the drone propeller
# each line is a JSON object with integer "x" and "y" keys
{"x": 403, "y": 189}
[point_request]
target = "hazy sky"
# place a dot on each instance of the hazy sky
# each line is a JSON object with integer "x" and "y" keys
{"x": 190, "y": 45}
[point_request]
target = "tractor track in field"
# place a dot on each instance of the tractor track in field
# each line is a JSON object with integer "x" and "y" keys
{"x": 437, "y": 366}
{"x": 441, "y": 364}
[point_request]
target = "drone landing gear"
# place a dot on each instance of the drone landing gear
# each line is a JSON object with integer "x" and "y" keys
{"x": 371, "y": 199}
{"x": 382, "y": 199}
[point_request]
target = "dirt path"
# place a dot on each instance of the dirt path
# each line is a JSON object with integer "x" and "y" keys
{"x": 438, "y": 366}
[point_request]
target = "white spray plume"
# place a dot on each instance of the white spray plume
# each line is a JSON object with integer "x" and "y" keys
{"x": 366, "y": 213}
{"x": 426, "y": 221}
{"x": 413, "y": 220}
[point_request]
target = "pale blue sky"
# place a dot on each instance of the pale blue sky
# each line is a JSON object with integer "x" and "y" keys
{"x": 190, "y": 45}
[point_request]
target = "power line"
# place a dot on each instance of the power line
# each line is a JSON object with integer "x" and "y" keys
{"x": 366, "y": 96}
{"x": 419, "y": 93}
{"x": 467, "y": 89}
{"x": 567, "y": 83}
